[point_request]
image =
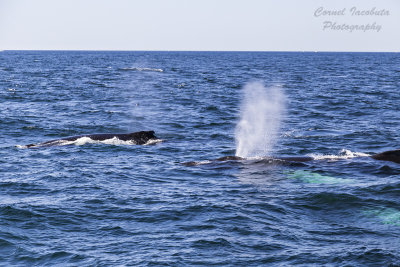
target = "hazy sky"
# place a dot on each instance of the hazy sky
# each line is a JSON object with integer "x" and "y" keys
{"x": 256, "y": 25}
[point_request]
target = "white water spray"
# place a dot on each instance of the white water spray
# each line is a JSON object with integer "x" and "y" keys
{"x": 260, "y": 118}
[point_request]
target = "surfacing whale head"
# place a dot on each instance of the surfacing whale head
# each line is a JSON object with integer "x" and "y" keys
{"x": 141, "y": 138}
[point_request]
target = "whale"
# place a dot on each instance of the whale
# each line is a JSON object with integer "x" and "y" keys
{"x": 268, "y": 160}
{"x": 392, "y": 155}
{"x": 293, "y": 159}
{"x": 138, "y": 138}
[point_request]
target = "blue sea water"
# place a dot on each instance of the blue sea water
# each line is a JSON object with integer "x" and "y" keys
{"x": 127, "y": 205}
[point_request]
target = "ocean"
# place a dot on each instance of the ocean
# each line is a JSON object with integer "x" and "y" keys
{"x": 119, "y": 204}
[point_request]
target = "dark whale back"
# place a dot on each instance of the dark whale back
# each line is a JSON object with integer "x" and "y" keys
{"x": 290, "y": 159}
{"x": 269, "y": 160}
{"x": 140, "y": 138}
{"x": 393, "y": 155}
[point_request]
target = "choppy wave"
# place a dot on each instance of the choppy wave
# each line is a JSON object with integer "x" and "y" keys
{"x": 106, "y": 205}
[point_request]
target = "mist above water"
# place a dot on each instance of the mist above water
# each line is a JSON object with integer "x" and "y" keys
{"x": 260, "y": 117}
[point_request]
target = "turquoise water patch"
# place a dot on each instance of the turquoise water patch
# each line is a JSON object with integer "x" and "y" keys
{"x": 316, "y": 178}
{"x": 386, "y": 215}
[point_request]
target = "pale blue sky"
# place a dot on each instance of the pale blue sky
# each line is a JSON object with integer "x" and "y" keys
{"x": 250, "y": 25}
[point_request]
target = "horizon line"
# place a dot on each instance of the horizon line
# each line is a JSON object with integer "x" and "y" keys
{"x": 255, "y": 51}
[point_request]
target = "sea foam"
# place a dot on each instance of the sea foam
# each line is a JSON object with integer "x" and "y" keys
{"x": 343, "y": 154}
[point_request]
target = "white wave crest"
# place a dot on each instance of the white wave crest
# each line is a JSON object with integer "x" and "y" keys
{"x": 203, "y": 162}
{"x": 343, "y": 154}
{"x": 143, "y": 69}
{"x": 153, "y": 141}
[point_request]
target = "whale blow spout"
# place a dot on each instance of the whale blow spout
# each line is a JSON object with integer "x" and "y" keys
{"x": 261, "y": 112}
